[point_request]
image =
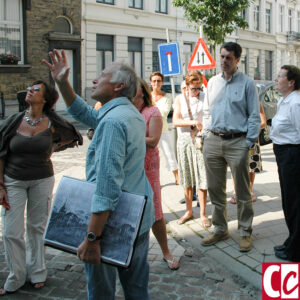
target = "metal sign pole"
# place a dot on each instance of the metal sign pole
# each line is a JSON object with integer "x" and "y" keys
{"x": 174, "y": 129}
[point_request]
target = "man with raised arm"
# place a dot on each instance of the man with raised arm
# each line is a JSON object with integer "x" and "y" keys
{"x": 115, "y": 162}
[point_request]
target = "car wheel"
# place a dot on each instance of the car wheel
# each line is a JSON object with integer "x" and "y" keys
{"x": 264, "y": 136}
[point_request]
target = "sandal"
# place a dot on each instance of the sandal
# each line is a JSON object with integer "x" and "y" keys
{"x": 233, "y": 199}
{"x": 205, "y": 222}
{"x": 184, "y": 219}
{"x": 4, "y": 292}
{"x": 172, "y": 263}
{"x": 37, "y": 285}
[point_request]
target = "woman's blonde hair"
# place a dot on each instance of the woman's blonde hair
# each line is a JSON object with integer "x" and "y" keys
{"x": 193, "y": 76}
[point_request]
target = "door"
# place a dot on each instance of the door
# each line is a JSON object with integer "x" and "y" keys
{"x": 60, "y": 104}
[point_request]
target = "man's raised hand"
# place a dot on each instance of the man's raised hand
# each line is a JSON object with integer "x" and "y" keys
{"x": 58, "y": 67}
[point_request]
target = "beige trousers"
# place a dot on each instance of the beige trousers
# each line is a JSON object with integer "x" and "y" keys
{"x": 218, "y": 155}
{"x": 26, "y": 261}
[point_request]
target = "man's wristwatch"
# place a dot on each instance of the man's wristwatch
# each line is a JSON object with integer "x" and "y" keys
{"x": 91, "y": 236}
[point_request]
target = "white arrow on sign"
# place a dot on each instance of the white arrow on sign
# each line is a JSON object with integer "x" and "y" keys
{"x": 169, "y": 60}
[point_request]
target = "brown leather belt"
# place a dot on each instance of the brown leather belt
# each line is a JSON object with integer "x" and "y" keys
{"x": 228, "y": 136}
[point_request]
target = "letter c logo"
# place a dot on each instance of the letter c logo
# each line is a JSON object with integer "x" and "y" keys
{"x": 285, "y": 282}
{"x": 268, "y": 281}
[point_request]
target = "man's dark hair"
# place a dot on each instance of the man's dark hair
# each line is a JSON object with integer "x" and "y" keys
{"x": 293, "y": 73}
{"x": 50, "y": 94}
{"x": 234, "y": 47}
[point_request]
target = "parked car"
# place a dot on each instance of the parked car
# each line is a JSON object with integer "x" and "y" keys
{"x": 166, "y": 87}
{"x": 268, "y": 97}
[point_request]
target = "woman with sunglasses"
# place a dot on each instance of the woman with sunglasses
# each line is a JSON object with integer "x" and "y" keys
{"x": 154, "y": 123}
{"x": 27, "y": 140}
{"x": 163, "y": 102}
{"x": 187, "y": 117}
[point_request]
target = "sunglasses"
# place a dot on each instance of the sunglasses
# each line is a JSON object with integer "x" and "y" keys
{"x": 195, "y": 89}
{"x": 35, "y": 88}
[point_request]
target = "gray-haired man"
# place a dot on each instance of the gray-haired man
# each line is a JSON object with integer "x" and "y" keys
{"x": 115, "y": 161}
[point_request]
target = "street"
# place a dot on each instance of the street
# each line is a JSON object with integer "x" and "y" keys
{"x": 216, "y": 272}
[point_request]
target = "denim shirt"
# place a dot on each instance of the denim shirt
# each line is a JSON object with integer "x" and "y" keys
{"x": 232, "y": 106}
{"x": 115, "y": 157}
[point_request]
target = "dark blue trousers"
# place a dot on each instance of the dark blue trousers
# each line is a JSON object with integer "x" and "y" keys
{"x": 288, "y": 162}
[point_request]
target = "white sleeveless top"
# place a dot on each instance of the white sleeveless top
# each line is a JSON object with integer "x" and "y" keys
{"x": 196, "y": 109}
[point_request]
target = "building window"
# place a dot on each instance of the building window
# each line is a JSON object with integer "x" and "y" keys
{"x": 135, "y": 52}
{"x": 244, "y": 62}
{"x": 290, "y": 20}
{"x": 155, "y": 57}
{"x": 187, "y": 53}
{"x": 268, "y": 65}
{"x": 257, "y": 63}
{"x": 11, "y": 29}
{"x": 105, "y": 1}
{"x": 282, "y": 58}
{"x": 281, "y": 18}
{"x": 161, "y": 6}
{"x": 268, "y": 17}
{"x": 62, "y": 25}
{"x": 104, "y": 51}
{"x": 244, "y": 14}
{"x": 136, "y": 4}
{"x": 256, "y": 17}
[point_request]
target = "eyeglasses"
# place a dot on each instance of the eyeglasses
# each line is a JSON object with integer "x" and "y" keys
{"x": 156, "y": 80}
{"x": 35, "y": 88}
{"x": 195, "y": 89}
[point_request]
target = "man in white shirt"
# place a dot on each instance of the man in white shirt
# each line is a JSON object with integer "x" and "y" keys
{"x": 285, "y": 134}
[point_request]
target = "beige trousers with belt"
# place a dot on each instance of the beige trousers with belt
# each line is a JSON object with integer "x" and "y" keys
{"x": 25, "y": 261}
{"x": 218, "y": 155}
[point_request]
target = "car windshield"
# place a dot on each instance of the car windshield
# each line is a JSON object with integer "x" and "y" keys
{"x": 271, "y": 95}
{"x": 168, "y": 89}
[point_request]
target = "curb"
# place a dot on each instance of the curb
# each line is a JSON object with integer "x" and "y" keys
{"x": 243, "y": 271}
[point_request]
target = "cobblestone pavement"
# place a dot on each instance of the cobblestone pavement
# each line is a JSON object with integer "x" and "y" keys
{"x": 201, "y": 275}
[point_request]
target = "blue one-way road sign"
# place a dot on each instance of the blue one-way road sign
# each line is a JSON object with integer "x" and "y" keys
{"x": 169, "y": 59}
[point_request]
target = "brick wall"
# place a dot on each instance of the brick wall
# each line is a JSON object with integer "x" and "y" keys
{"x": 39, "y": 23}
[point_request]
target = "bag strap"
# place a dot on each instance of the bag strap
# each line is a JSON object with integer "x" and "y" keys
{"x": 188, "y": 106}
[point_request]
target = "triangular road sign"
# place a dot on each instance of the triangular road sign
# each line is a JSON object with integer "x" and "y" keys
{"x": 201, "y": 58}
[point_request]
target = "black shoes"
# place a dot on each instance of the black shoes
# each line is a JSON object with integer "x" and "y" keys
{"x": 182, "y": 201}
{"x": 281, "y": 255}
{"x": 279, "y": 248}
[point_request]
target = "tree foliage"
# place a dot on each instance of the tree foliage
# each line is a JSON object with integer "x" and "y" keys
{"x": 217, "y": 17}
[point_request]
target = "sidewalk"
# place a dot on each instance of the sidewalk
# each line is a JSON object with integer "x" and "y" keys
{"x": 269, "y": 227}
{"x": 215, "y": 272}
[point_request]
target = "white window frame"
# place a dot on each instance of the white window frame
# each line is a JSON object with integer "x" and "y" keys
{"x": 256, "y": 15}
{"x": 160, "y": 10}
{"x": 15, "y": 23}
{"x": 290, "y": 20}
{"x": 268, "y": 17}
{"x": 281, "y": 18}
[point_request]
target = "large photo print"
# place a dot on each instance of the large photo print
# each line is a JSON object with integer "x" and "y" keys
{"x": 68, "y": 221}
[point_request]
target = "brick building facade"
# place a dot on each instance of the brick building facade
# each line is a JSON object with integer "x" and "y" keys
{"x": 29, "y": 29}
